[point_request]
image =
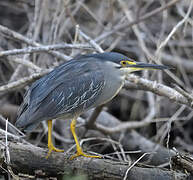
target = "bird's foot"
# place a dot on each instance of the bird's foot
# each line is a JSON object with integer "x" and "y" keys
{"x": 52, "y": 148}
{"x": 81, "y": 153}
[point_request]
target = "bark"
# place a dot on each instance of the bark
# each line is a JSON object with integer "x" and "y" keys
{"x": 132, "y": 141}
{"x": 29, "y": 159}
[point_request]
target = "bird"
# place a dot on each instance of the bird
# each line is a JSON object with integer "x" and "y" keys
{"x": 72, "y": 88}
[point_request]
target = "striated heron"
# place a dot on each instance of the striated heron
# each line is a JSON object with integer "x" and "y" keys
{"x": 72, "y": 88}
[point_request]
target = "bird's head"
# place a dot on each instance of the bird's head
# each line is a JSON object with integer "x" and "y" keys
{"x": 129, "y": 66}
{"x": 126, "y": 64}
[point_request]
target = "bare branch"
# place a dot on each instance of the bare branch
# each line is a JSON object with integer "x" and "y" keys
{"x": 12, "y": 34}
{"x": 143, "y": 18}
{"x": 157, "y": 88}
{"x": 24, "y": 156}
{"x": 43, "y": 49}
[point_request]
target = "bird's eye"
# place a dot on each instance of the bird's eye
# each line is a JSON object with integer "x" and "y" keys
{"x": 123, "y": 63}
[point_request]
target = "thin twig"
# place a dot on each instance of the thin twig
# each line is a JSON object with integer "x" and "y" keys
{"x": 126, "y": 174}
{"x": 43, "y": 48}
{"x": 91, "y": 41}
{"x": 142, "y": 18}
{"x": 22, "y": 82}
{"x": 12, "y": 34}
{"x": 175, "y": 28}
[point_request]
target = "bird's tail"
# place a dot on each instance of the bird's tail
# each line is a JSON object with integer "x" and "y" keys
{"x": 23, "y": 122}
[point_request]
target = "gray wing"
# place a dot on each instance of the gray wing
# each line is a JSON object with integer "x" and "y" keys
{"x": 69, "y": 89}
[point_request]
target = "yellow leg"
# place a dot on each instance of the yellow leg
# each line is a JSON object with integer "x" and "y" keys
{"x": 50, "y": 145}
{"x": 78, "y": 147}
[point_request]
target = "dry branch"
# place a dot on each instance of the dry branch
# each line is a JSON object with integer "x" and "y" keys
{"x": 19, "y": 37}
{"x": 157, "y": 88}
{"x": 43, "y": 48}
{"x": 132, "y": 140}
{"x": 22, "y": 82}
{"x": 140, "y": 19}
{"x": 29, "y": 159}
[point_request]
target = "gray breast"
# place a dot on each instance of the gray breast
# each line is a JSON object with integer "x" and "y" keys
{"x": 113, "y": 82}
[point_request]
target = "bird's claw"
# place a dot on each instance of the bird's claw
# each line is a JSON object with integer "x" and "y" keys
{"x": 81, "y": 153}
{"x": 52, "y": 148}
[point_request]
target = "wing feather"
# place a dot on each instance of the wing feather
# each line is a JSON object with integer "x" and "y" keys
{"x": 69, "y": 89}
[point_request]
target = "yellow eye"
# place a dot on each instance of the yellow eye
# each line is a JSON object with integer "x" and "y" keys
{"x": 127, "y": 62}
{"x": 123, "y": 63}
